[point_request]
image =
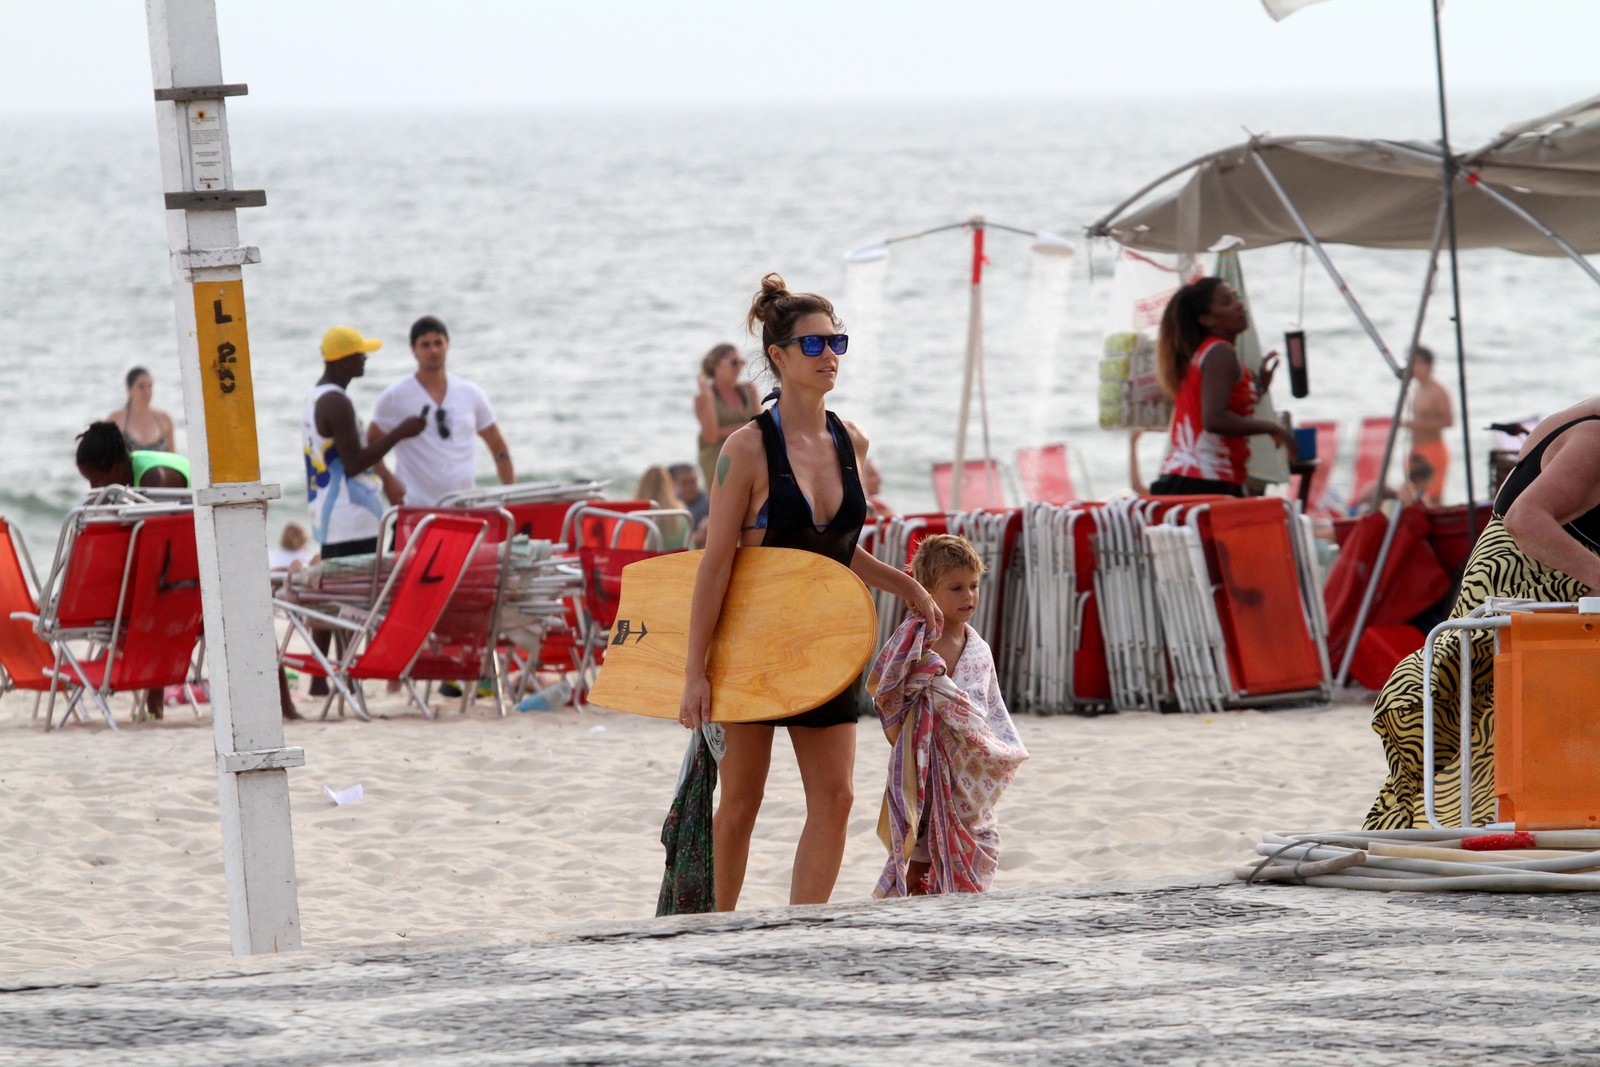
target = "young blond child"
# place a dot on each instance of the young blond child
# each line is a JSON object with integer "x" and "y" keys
{"x": 955, "y": 748}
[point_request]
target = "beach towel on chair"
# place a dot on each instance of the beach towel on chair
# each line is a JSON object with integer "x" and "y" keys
{"x": 951, "y": 760}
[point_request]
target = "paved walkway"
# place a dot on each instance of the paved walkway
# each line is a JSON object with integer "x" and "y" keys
{"x": 1106, "y": 974}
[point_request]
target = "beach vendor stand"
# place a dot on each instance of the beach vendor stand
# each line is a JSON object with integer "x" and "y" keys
{"x": 1534, "y": 189}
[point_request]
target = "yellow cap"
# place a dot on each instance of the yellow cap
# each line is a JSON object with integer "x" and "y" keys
{"x": 342, "y": 341}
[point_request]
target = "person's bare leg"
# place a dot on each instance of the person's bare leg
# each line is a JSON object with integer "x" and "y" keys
{"x": 323, "y": 638}
{"x": 285, "y": 701}
{"x": 741, "y": 781}
{"x": 827, "y": 758}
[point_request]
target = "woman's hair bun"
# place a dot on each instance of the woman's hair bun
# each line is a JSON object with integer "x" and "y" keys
{"x": 773, "y": 289}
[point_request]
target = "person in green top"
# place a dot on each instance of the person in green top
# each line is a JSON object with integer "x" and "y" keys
{"x": 104, "y": 459}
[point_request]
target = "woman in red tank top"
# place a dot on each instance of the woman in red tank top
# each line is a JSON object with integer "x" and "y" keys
{"x": 1213, "y": 395}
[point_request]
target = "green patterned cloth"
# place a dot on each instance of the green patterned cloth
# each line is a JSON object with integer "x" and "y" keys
{"x": 688, "y": 887}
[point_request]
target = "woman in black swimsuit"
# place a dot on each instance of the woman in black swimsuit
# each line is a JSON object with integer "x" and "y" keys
{"x": 1541, "y": 543}
{"x": 787, "y": 479}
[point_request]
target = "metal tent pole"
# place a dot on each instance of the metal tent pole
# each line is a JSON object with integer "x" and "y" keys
{"x": 1370, "y": 594}
{"x": 230, "y": 500}
{"x": 1327, "y": 264}
{"x": 1449, "y": 171}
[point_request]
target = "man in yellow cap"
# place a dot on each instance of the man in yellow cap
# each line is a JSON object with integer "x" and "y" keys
{"x": 342, "y": 476}
{"x": 343, "y": 486}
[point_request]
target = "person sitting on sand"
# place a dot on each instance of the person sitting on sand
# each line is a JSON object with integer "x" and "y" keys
{"x": 787, "y": 479}
{"x": 872, "y": 482}
{"x": 293, "y": 551}
{"x": 955, "y": 748}
{"x": 103, "y": 458}
{"x": 658, "y": 485}
{"x": 686, "y": 480}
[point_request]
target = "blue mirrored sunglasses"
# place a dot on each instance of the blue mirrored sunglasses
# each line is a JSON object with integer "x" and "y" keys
{"x": 811, "y": 344}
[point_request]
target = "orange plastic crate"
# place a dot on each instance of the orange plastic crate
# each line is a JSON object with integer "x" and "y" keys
{"x": 1547, "y": 722}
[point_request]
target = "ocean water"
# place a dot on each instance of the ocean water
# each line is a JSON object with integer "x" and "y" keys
{"x": 585, "y": 258}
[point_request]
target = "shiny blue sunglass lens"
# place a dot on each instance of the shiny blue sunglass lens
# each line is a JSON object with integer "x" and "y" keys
{"x": 812, "y": 344}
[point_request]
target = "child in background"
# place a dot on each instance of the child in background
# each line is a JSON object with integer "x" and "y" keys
{"x": 293, "y": 551}
{"x": 955, "y": 748}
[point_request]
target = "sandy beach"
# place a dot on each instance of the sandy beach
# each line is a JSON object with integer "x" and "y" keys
{"x": 475, "y": 825}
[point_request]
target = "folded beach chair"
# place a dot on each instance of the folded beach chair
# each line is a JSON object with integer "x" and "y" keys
{"x": 1239, "y": 600}
{"x": 394, "y": 638}
{"x": 1369, "y": 455}
{"x": 1044, "y": 474}
{"x": 130, "y": 588}
{"x": 462, "y": 645}
{"x": 980, "y": 487}
{"x": 26, "y": 662}
{"x": 606, "y": 540}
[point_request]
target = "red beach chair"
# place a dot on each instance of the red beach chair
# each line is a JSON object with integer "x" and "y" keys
{"x": 156, "y": 622}
{"x": 26, "y": 662}
{"x": 1369, "y": 455}
{"x": 1044, "y": 474}
{"x": 392, "y": 641}
{"x": 980, "y": 487}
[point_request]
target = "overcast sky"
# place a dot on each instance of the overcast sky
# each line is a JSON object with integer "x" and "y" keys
{"x": 76, "y": 55}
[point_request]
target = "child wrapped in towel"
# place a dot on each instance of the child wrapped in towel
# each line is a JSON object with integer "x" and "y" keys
{"x": 955, "y": 748}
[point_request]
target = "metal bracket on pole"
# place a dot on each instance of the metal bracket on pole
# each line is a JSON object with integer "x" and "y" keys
{"x": 237, "y": 493}
{"x": 184, "y": 93}
{"x": 261, "y": 759}
{"x": 193, "y": 259}
{"x": 216, "y": 199}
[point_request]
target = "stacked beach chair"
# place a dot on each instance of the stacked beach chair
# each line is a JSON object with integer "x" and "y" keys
{"x": 1169, "y": 604}
{"x": 1239, "y": 594}
{"x": 1062, "y": 664}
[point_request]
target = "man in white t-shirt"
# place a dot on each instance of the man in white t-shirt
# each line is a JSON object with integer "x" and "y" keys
{"x": 441, "y": 459}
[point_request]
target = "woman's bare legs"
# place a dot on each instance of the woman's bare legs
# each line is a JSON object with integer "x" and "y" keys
{"x": 827, "y": 758}
{"x": 741, "y": 779}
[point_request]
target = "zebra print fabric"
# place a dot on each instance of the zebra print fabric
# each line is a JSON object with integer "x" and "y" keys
{"x": 1497, "y": 567}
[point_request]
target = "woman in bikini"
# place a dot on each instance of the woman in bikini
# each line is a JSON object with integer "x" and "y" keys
{"x": 723, "y": 404}
{"x": 787, "y": 479}
{"x": 144, "y": 428}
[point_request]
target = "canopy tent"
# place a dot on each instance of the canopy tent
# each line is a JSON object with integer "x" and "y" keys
{"x": 1380, "y": 194}
{"x": 1539, "y": 182}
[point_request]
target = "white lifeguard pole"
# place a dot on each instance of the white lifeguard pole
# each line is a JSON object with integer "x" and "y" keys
{"x": 958, "y": 466}
{"x": 230, "y": 500}
{"x": 1043, "y": 242}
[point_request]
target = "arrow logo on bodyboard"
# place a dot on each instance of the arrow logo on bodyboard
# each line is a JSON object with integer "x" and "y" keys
{"x": 624, "y": 630}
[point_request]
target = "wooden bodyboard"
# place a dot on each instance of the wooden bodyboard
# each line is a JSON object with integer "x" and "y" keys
{"x": 796, "y": 629}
